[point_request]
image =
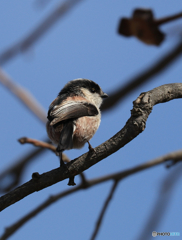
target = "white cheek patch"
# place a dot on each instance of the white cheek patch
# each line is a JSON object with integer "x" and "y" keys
{"x": 94, "y": 98}
{"x": 97, "y": 99}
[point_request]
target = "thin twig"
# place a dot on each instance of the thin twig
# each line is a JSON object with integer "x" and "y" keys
{"x": 173, "y": 156}
{"x": 105, "y": 206}
{"x": 44, "y": 145}
{"x": 168, "y": 19}
{"x": 15, "y": 171}
{"x": 37, "y": 143}
{"x": 49, "y": 146}
{"x": 24, "y": 96}
{"x": 38, "y": 32}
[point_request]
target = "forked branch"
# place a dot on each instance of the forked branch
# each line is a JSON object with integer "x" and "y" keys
{"x": 142, "y": 107}
{"x": 174, "y": 157}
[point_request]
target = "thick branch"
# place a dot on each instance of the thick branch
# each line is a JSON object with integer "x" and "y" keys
{"x": 142, "y": 107}
{"x": 174, "y": 156}
{"x": 112, "y": 101}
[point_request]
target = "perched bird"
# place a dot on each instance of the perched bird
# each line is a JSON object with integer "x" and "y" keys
{"x": 74, "y": 116}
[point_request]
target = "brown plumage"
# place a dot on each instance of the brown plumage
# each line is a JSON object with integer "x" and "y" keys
{"x": 74, "y": 116}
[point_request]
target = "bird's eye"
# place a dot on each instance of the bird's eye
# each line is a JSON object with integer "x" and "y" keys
{"x": 93, "y": 90}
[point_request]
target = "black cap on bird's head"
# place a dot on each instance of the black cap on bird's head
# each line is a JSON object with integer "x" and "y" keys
{"x": 74, "y": 87}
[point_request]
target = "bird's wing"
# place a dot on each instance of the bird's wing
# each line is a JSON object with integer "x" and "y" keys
{"x": 71, "y": 110}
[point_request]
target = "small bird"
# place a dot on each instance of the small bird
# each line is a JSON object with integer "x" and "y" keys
{"x": 74, "y": 116}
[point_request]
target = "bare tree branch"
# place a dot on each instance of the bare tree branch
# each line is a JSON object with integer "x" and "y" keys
{"x": 15, "y": 171}
{"x": 12, "y": 229}
{"x": 109, "y": 103}
{"x": 145, "y": 76}
{"x": 37, "y": 143}
{"x": 162, "y": 203}
{"x": 135, "y": 125}
{"x": 24, "y": 96}
{"x": 168, "y": 19}
{"x": 45, "y": 145}
{"x": 174, "y": 156}
{"x": 38, "y": 32}
{"x": 105, "y": 206}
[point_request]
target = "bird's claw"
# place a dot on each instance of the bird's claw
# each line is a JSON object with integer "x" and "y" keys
{"x": 71, "y": 181}
{"x": 91, "y": 149}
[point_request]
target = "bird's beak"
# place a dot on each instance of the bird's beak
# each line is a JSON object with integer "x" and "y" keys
{"x": 104, "y": 95}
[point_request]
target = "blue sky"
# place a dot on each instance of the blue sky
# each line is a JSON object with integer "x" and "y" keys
{"x": 85, "y": 44}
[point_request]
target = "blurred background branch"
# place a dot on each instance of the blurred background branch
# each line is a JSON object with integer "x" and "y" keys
{"x": 103, "y": 211}
{"x": 114, "y": 98}
{"x": 162, "y": 202}
{"x": 142, "y": 108}
{"x": 116, "y": 177}
{"x": 145, "y": 76}
{"x": 38, "y": 32}
{"x": 68, "y": 52}
{"x": 24, "y": 96}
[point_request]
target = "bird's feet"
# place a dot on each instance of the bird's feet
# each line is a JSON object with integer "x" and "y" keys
{"x": 71, "y": 181}
{"x": 91, "y": 149}
{"x": 63, "y": 165}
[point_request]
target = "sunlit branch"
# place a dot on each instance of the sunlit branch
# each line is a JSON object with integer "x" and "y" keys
{"x": 142, "y": 108}
{"x": 171, "y": 157}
